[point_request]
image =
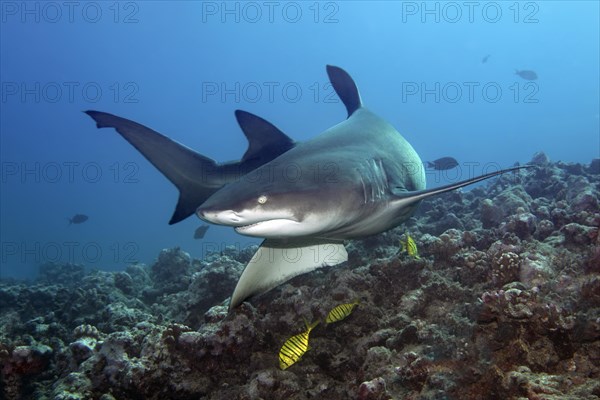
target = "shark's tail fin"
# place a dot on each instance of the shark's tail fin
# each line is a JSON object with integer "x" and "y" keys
{"x": 189, "y": 171}
{"x": 197, "y": 177}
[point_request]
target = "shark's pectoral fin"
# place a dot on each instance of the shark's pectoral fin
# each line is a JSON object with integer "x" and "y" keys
{"x": 407, "y": 197}
{"x": 277, "y": 261}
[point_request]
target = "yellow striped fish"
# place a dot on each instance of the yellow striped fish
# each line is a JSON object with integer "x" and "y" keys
{"x": 341, "y": 311}
{"x": 294, "y": 348}
{"x": 410, "y": 247}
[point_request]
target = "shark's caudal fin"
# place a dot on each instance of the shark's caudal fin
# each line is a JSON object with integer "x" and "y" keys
{"x": 197, "y": 177}
{"x": 185, "y": 168}
{"x": 346, "y": 89}
{"x": 412, "y": 197}
{"x": 277, "y": 261}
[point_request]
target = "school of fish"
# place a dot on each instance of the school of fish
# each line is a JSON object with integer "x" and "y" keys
{"x": 295, "y": 347}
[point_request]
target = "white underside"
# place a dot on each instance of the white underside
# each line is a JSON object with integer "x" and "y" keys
{"x": 276, "y": 262}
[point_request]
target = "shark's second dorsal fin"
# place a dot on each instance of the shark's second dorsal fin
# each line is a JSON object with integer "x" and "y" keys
{"x": 265, "y": 140}
{"x": 345, "y": 88}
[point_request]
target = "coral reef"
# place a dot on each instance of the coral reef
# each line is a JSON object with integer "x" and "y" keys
{"x": 504, "y": 303}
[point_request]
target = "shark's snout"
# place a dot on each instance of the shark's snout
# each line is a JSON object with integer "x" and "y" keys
{"x": 228, "y": 217}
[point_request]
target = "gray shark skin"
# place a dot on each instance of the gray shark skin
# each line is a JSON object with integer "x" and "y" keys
{"x": 356, "y": 179}
{"x": 197, "y": 177}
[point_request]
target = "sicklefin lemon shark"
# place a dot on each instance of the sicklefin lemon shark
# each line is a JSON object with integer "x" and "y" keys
{"x": 356, "y": 179}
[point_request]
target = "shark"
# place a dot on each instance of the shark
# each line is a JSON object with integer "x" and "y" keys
{"x": 196, "y": 176}
{"x": 358, "y": 178}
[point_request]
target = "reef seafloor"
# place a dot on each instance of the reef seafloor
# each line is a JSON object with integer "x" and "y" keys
{"x": 503, "y": 303}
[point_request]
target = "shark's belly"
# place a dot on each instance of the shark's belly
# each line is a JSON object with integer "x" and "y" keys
{"x": 371, "y": 220}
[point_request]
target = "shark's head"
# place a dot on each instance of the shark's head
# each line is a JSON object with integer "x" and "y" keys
{"x": 256, "y": 206}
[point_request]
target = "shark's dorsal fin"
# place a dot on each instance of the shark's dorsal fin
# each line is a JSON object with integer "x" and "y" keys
{"x": 345, "y": 88}
{"x": 277, "y": 261}
{"x": 265, "y": 140}
{"x": 181, "y": 165}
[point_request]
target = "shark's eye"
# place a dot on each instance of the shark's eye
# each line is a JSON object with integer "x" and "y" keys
{"x": 262, "y": 199}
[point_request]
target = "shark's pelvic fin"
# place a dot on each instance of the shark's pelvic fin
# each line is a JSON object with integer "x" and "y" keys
{"x": 277, "y": 261}
{"x": 415, "y": 196}
{"x": 346, "y": 89}
{"x": 265, "y": 140}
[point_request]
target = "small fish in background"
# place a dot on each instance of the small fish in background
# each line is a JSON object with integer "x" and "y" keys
{"x": 410, "y": 247}
{"x": 484, "y": 59}
{"x": 78, "y": 219}
{"x": 341, "y": 311}
{"x": 443, "y": 163}
{"x": 526, "y": 74}
{"x": 201, "y": 231}
{"x": 294, "y": 348}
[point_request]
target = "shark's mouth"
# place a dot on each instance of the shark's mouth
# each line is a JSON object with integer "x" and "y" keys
{"x": 243, "y": 227}
{"x": 265, "y": 222}
{"x": 275, "y": 226}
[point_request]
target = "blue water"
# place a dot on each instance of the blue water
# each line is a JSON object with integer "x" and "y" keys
{"x": 183, "y": 68}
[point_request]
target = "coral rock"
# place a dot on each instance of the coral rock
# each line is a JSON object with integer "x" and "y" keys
{"x": 124, "y": 282}
{"x": 506, "y": 268}
{"x": 523, "y": 225}
{"x": 579, "y": 234}
{"x": 83, "y": 348}
{"x": 86, "y": 330}
{"x": 491, "y": 214}
{"x": 373, "y": 390}
{"x": 540, "y": 158}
